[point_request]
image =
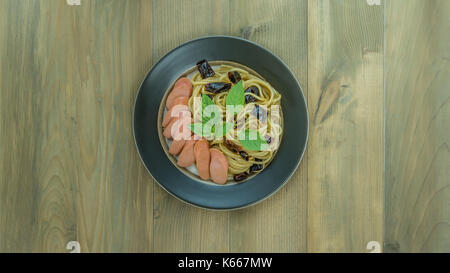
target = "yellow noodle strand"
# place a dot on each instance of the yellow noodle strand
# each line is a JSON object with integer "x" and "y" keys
{"x": 268, "y": 97}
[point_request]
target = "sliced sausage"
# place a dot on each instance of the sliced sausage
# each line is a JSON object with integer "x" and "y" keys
{"x": 176, "y": 146}
{"x": 181, "y": 100}
{"x": 179, "y": 90}
{"x": 202, "y": 158}
{"x": 180, "y": 130}
{"x": 186, "y": 157}
{"x": 175, "y": 111}
{"x": 177, "y": 127}
{"x": 218, "y": 167}
{"x": 168, "y": 130}
{"x": 178, "y": 101}
{"x": 182, "y": 81}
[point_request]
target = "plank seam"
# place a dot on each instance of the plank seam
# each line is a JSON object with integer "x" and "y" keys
{"x": 383, "y": 177}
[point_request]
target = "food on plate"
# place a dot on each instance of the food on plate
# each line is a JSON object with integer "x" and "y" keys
{"x": 205, "y": 69}
{"x": 168, "y": 129}
{"x": 175, "y": 111}
{"x": 182, "y": 88}
{"x": 218, "y": 167}
{"x": 187, "y": 157}
{"x": 176, "y": 146}
{"x": 217, "y": 87}
{"x": 202, "y": 158}
{"x": 201, "y": 131}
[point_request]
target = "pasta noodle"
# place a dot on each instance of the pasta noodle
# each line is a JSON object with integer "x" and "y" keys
{"x": 241, "y": 160}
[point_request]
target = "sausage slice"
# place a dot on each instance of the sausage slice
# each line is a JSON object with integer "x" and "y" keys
{"x": 182, "y": 100}
{"x": 202, "y": 158}
{"x": 182, "y": 88}
{"x": 168, "y": 130}
{"x": 186, "y": 157}
{"x": 176, "y": 146}
{"x": 182, "y": 81}
{"x": 180, "y": 130}
{"x": 175, "y": 111}
{"x": 218, "y": 167}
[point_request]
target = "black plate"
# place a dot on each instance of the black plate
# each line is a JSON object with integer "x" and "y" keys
{"x": 270, "y": 67}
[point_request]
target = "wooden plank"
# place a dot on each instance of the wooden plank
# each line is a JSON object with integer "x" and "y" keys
{"x": 179, "y": 227}
{"x": 417, "y": 126}
{"x": 72, "y": 171}
{"x": 345, "y": 153}
{"x": 19, "y": 123}
{"x": 278, "y": 224}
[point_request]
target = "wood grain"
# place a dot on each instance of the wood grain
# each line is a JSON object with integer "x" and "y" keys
{"x": 279, "y": 223}
{"x": 72, "y": 171}
{"x": 417, "y": 126}
{"x": 69, "y": 169}
{"x": 345, "y": 153}
{"x": 179, "y": 227}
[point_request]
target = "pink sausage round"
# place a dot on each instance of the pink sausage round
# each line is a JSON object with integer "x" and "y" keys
{"x": 218, "y": 167}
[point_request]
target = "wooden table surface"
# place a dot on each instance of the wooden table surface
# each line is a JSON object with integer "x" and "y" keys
{"x": 377, "y": 167}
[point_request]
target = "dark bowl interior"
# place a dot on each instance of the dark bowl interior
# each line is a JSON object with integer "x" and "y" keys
{"x": 233, "y": 196}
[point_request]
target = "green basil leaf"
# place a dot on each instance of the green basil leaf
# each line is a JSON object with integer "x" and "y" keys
{"x": 251, "y": 144}
{"x": 206, "y": 101}
{"x": 209, "y": 125}
{"x": 236, "y": 95}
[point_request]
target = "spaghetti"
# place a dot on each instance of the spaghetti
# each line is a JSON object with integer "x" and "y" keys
{"x": 259, "y": 95}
